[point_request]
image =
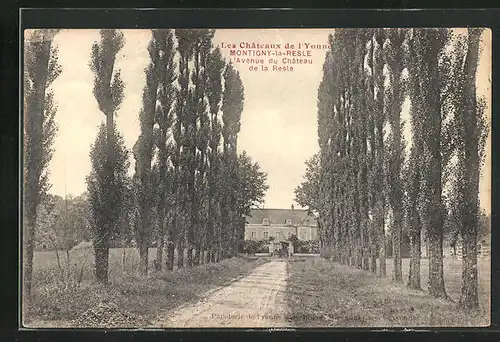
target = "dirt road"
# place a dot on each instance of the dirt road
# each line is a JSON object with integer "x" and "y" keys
{"x": 256, "y": 300}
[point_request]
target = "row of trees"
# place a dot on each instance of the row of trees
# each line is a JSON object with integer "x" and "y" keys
{"x": 190, "y": 190}
{"x": 363, "y": 181}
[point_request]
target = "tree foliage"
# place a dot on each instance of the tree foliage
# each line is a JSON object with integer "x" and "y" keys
{"x": 307, "y": 193}
{"x": 105, "y": 215}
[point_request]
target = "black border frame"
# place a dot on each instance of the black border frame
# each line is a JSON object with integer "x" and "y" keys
{"x": 233, "y": 18}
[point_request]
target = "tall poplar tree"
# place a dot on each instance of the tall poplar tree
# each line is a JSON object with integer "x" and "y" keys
{"x": 435, "y": 64}
{"x": 41, "y": 68}
{"x": 379, "y": 120}
{"x": 325, "y": 105}
{"x": 471, "y": 134}
{"x": 232, "y": 106}
{"x": 164, "y": 118}
{"x": 201, "y": 120}
{"x": 361, "y": 101}
{"x": 395, "y": 96}
{"x": 184, "y": 142}
{"x": 371, "y": 149}
{"x": 215, "y": 69}
{"x": 143, "y": 154}
{"x": 108, "y": 91}
{"x": 415, "y": 199}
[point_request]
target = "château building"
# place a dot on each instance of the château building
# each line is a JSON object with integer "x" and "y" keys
{"x": 280, "y": 224}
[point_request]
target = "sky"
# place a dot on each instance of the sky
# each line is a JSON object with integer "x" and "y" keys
{"x": 278, "y": 122}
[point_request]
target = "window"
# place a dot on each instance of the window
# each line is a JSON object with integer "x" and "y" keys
{"x": 278, "y": 235}
{"x": 289, "y": 234}
{"x": 288, "y": 222}
{"x": 266, "y": 235}
{"x": 254, "y": 234}
{"x": 265, "y": 222}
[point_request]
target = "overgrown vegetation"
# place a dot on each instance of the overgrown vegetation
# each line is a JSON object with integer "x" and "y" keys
{"x": 321, "y": 293}
{"x": 66, "y": 299}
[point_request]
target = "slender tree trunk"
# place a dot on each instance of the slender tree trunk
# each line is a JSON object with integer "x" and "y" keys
{"x": 396, "y": 246}
{"x": 359, "y": 253}
{"x": 161, "y": 235}
{"x": 373, "y": 258}
{"x": 382, "y": 241}
{"x": 170, "y": 255}
{"x": 180, "y": 253}
{"x": 68, "y": 262}
{"x": 123, "y": 259}
{"x": 202, "y": 256}
{"x": 236, "y": 243}
{"x": 189, "y": 257}
{"x": 414, "y": 274}
{"x": 144, "y": 260}
{"x": 101, "y": 252}
{"x": 29, "y": 247}
{"x": 57, "y": 253}
{"x": 436, "y": 276}
{"x": 469, "y": 296}
{"x": 365, "y": 257}
{"x": 159, "y": 252}
{"x": 427, "y": 246}
{"x": 415, "y": 221}
{"x": 435, "y": 228}
{"x": 372, "y": 248}
{"x": 365, "y": 245}
{"x": 170, "y": 250}
{"x": 347, "y": 256}
{"x": 220, "y": 253}
{"x": 215, "y": 253}
{"x": 197, "y": 256}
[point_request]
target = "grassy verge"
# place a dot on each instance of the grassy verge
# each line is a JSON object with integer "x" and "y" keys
{"x": 60, "y": 302}
{"x": 322, "y": 293}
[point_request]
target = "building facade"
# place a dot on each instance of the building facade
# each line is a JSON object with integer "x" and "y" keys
{"x": 280, "y": 224}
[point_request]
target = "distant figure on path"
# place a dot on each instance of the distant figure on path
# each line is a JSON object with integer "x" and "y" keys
{"x": 271, "y": 248}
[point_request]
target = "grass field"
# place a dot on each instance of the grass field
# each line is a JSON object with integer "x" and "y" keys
{"x": 58, "y": 298}
{"x": 323, "y": 293}
{"x": 452, "y": 277}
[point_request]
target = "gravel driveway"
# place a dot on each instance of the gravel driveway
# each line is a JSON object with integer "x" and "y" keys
{"x": 256, "y": 300}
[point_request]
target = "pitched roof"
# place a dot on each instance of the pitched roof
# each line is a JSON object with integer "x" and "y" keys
{"x": 279, "y": 216}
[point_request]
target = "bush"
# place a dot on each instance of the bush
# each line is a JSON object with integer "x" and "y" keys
{"x": 251, "y": 247}
{"x": 327, "y": 252}
{"x": 308, "y": 247}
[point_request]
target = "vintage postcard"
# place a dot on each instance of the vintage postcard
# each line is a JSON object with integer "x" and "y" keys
{"x": 256, "y": 178}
